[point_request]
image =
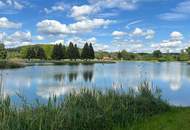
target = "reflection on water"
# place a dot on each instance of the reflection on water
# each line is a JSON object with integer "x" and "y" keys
{"x": 45, "y": 81}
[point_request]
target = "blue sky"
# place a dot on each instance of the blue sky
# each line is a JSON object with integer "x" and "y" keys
{"x": 111, "y": 25}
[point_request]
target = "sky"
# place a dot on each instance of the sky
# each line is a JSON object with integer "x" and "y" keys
{"x": 110, "y": 25}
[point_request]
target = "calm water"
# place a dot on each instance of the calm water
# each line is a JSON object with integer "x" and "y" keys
{"x": 44, "y": 81}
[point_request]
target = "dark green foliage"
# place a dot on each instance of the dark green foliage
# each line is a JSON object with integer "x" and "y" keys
{"x": 30, "y": 54}
{"x": 58, "y": 52}
{"x": 84, "y": 54}
{"x": 40, "y": 53}
{"x": 91, "y": 52}
{"x": 119, "y": 56}
{"x": 35, "y": 52}
{"x": 71, "y": 54}
{"x": 3, "y": 51}
{"x": 85, "y": 110}
{"x": 157, "y": 53}
{"x": 76, "y": 54}
{"x": 87, "y": 52}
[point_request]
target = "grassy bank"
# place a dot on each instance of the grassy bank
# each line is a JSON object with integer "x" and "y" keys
{"x": 85, "y": 110}
{"x": 11, "y": 64}
{"x": 175, "y": 119}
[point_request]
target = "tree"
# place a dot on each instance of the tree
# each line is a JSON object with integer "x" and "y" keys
{"x": 119, "y": 56}
{"x": 58, "y": 52}
{"x": 30, "y": 53}
{"x": 40, "y": 53}
{"x": 91, "y": 51}
{"x": 76, "y": 52}
{"x": 157, "y": 53}
{"x": 71, "y": 51}
{"x": 84, "y": 54}
{"x": 3, "y": 52}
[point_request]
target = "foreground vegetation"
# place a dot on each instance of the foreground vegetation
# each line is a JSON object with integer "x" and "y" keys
{"x": 175, "y": 119}
{"x": 85, "y": 110}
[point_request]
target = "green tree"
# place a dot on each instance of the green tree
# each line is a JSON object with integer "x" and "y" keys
{"x": 58, "y": 52}
{"x": 85, "y": 52}
{"x": 3, "y": 51}
{"x": 40, "y": 53}
{"x": 76, "y": 52}
{"x": 71, "y": 51}
{"x": 119, "y": 56}
{"x": 91, "y": 51}
{"x": 157, "y": 53}
{"x": 30, "y": 53}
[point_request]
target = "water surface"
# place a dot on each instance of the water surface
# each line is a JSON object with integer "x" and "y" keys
{"x": 44, "y": 81}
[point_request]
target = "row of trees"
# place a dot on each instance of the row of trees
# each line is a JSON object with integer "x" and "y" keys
{"x": 61, "y": 52}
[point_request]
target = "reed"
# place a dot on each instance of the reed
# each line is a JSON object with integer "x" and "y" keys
{"x": 87, "y": 109}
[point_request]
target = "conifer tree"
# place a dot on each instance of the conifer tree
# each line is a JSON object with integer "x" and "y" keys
{"x": 76, "y": 52}
{"x": 91, "y": 54}
{"x": 71, "y": 51}
{"x": 85, "y": 52}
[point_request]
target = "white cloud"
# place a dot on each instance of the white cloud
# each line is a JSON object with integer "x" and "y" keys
{"x": 57, "y": 7}
{"x": 118, "y": 33}
{"x": 174, "y": 44}
{"x": 80, "y": 12}
{"x": 138, "y": 32}
{"x": 6, "y": 24}
{"x": 176, "y": 35}
{"x": 12, "y": 4}
{"x": 39, "y": 38}
{"x": 53, "y": 27}
{"x": 148, "y": 34}
{"x": 17, "y": 39}
{"x": 121, "y": 4}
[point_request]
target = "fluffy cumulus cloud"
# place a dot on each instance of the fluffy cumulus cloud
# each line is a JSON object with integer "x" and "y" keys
{"x": 53, "y": 27}
{"x": 80, "y": 12}
{"x": 16, "y": 39}
{"x": 12, "y": 4}
{"x": 7, "y": 24}
{"x": 174, "y": 44}
{"x": 181, "y": 12}
{"x": 148, "y": 34}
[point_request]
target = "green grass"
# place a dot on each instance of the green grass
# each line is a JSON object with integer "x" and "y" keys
{"x": 176, "y": 119}
{"x": 87, "y": 109}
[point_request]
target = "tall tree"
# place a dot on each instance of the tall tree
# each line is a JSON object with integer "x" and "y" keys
{"x": 57, "y": 52}
{"x": 85, "y": 52}
{"x": 3, "y": 51}
{"x": 76, "y": 52}
{"x": 91, "y": 51}
{"x": 71, "y": 51}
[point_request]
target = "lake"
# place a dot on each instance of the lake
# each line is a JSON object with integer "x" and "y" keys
{"x": 41, "y": 82}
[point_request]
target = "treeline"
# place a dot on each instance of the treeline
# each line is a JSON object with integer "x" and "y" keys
{"x": 60, "y": 51}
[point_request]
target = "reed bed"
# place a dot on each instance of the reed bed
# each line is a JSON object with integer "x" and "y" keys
{"x": 87, "y": 109}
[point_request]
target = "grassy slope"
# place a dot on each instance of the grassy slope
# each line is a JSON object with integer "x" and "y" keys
{"x": 177, "y": 119}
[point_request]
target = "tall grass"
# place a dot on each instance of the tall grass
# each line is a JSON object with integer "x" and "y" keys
{"x": 85, "y": 110}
